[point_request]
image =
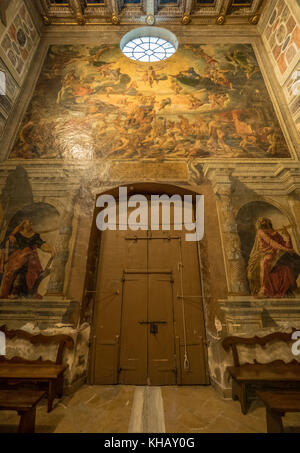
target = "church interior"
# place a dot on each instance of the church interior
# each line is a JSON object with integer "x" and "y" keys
{"x": 110, "y": 322}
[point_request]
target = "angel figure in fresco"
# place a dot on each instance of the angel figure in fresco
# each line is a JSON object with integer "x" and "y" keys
{"x": 23, "y": 271}
{"x": 273, "y": 265}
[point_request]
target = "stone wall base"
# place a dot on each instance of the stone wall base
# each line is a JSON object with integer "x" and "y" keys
{"x": 69, "y": 389}
{"x": 43, "y": 314}
{"x": 248, "y": 314}
{"x": 224, "y": 392}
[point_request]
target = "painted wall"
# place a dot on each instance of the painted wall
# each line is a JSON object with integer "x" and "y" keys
{"x": 94, "y": 104}
{"x": 206, "y": 101}
{"x": 19, "y": 39}
{"x": 207, "y": 120}
{"x": 281, "y": 36}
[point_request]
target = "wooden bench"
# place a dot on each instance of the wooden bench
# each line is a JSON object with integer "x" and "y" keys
{"x": 24, "y": 402}
{"x": 277, "y": 404}
{"x": 45, "y": 372}
{"x": 275, "y": 374}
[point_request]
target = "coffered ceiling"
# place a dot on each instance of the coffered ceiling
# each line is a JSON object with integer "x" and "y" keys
{"x": 151, "y": 12}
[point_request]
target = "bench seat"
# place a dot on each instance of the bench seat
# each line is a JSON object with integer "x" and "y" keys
{"x": 17, "y": 370}
{"x": 24, "y": 402}
{"x": 30, "y": 371}
{"x": 277, "y": 404}
{"x": 275, "y": 374}
{"x": 265, "y": 373}
{"x": 52, "y": 375}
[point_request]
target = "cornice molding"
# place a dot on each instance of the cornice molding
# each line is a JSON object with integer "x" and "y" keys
{"x": 272, "y": 179}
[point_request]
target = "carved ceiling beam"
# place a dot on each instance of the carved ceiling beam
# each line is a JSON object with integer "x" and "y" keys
{"x": 77, "y": 9}
{"x": 3, "y": 7}
{"x": 150, "y": 8}
{"x": 186, "y": 18}
{"x": 254, "y": 19}
{"x": 222, "y": 15}
{"x": 43, "y": 9}
{"x": 115, "y": 8}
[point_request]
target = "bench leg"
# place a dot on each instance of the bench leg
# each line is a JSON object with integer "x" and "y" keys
{"x": 55, "y": 390}
{"x": 239, "y": 392}
{"x": 27, "y": 422}
{"x": 51, "y": 395}
{"x": 59, "y": 386}
{"x": 274, "y": 421}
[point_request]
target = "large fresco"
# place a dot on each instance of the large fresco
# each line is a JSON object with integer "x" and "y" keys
{"x": 206, "y": 101}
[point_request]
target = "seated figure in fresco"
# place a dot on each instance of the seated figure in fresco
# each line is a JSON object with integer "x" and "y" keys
{"x": 273, "y": 266}
{"x": 23, "y": 270}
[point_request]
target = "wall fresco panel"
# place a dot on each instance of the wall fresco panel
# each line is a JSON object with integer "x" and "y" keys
{"x": 206, "y": 101}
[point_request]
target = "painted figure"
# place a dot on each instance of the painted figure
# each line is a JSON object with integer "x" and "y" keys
{"x": 92, "y": 94}
{"x": 268, "y": 276}
{"x": 23, "y": 270}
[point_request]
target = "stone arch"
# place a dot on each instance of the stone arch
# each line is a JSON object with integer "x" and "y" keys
{"x": 210, "y": 245}
{"x": 269, "y": 200}
{"x": 212, "y": 263}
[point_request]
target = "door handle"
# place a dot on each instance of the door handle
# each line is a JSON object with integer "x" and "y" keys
{"x": 153, "y": 325}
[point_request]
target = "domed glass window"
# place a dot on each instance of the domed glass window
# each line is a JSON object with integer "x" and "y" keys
{"x": 148, "y": 49}
{"x": 149, "y": 44}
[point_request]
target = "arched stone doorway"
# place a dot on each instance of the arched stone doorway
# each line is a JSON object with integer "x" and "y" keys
{"x": 143, "y": 330}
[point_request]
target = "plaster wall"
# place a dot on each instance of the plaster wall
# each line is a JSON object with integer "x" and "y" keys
{"x": 66, "y": 189}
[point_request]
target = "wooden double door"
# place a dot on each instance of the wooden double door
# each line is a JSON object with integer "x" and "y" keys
{"x": 147, "y": 340}
{"x": 148, "y": 324}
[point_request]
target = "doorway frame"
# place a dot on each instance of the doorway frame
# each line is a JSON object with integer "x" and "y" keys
{"x": 94, "y": 252}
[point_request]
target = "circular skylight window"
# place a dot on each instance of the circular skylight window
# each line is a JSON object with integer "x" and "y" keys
{"x": 149, "y": 44}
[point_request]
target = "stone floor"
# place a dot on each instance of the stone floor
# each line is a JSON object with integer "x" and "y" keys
{"x": 122, "y": 409}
